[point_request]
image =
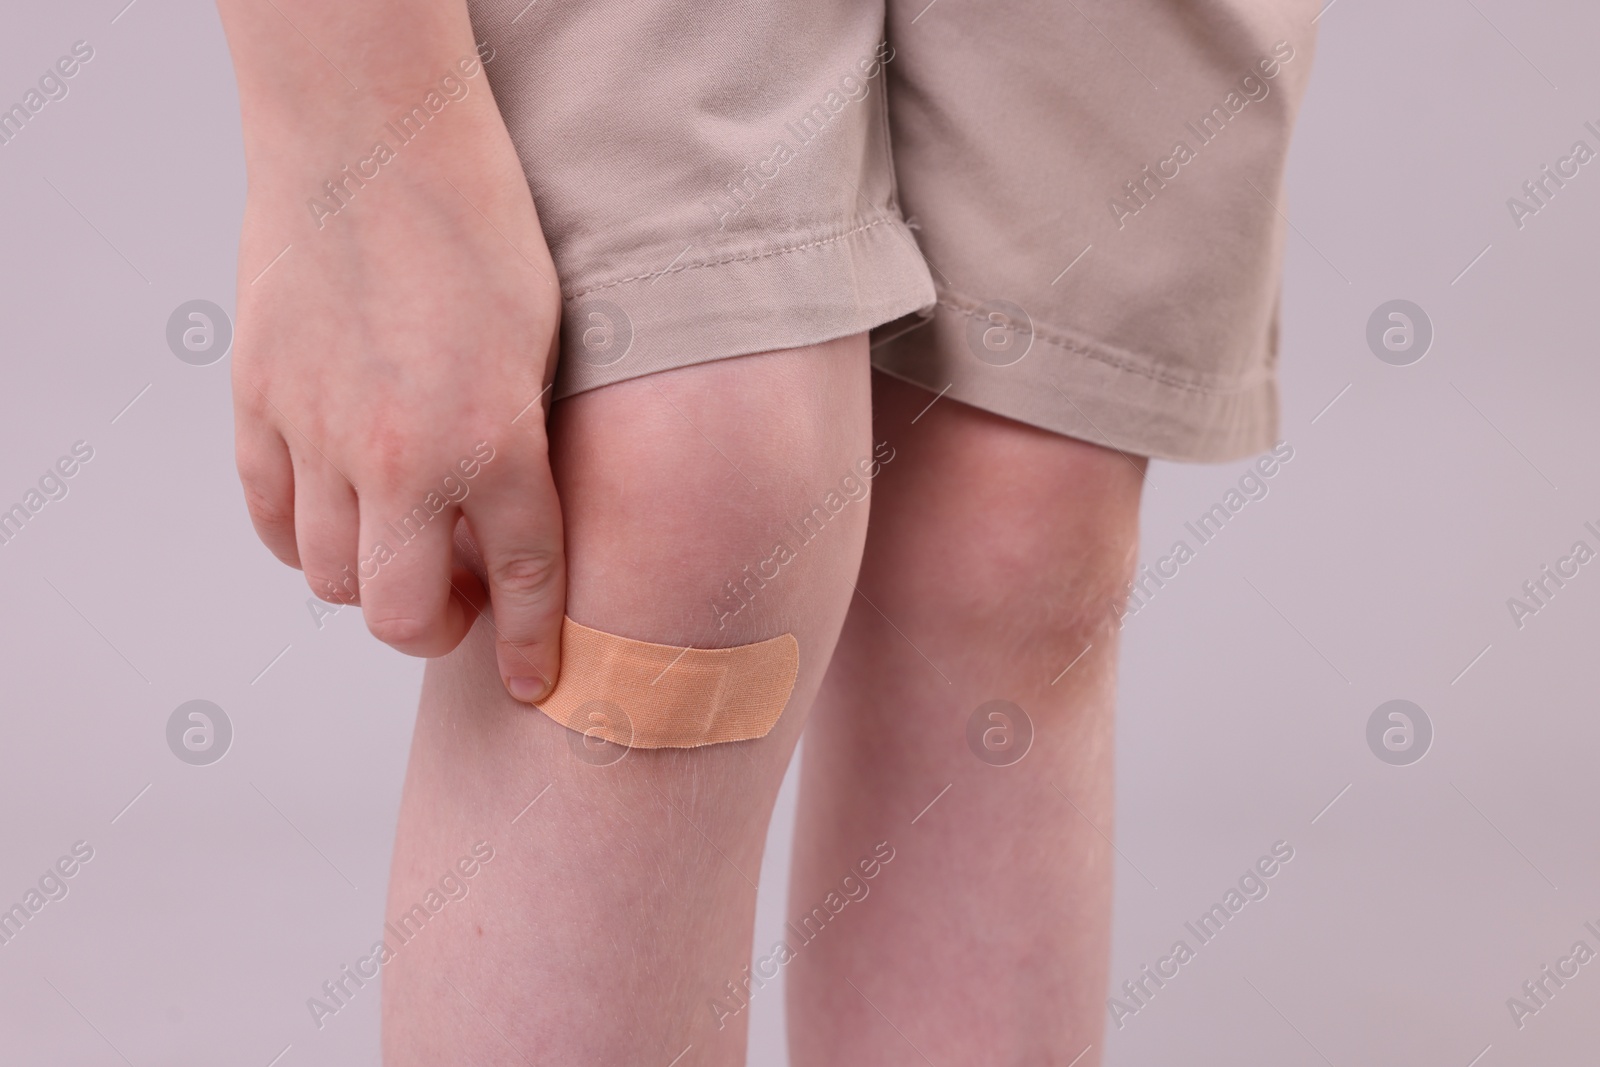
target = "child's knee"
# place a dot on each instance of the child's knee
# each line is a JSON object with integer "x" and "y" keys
{"x": 722, "y": 504}
{"x": 995, "y": 535}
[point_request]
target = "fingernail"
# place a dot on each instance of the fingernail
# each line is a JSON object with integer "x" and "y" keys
{"x": 528, "y": 690}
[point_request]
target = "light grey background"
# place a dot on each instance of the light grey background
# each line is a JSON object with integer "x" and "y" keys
{"x": 1378, "y": 567}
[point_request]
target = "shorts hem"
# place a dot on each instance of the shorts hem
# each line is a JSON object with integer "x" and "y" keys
{"x": 1081, "y": 387}
{"x": 816, "y": 287}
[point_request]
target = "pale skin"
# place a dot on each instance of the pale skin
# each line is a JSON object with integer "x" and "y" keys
{"x": 620, "y": 898}
{"x": 391, "y": 340}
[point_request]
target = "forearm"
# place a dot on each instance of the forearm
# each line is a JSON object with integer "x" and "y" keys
{"x": 319, "y": 83}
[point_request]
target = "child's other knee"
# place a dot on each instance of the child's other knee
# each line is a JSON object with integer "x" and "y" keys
{"x": 1026, "y": 538}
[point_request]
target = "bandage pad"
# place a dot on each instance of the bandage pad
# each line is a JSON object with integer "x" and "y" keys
{"x": 645, "y": 695}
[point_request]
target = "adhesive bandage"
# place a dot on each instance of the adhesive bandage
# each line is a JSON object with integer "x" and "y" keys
{"x": 645, "y": 695}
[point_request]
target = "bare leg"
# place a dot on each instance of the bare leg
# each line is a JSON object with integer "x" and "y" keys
{"x": 995, "y": 554}
{"x": 618, "y": 905}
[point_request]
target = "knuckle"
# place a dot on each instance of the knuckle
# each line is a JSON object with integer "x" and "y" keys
{"x": 332, "y": 590}
{"x": 526, "y": 574}
{"x": 400, "y": 631}
{"x": 284, "y": 553}
{"x": 250, "y": 385}
{"x": 268, "y": 510}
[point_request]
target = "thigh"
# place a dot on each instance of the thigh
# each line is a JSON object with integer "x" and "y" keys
{"x": 620, "y": 895}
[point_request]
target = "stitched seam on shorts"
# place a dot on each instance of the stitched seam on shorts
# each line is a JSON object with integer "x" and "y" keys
{"x": 1121, "y": 363}
{"x": 748, "y": 258}
{"x": 888, "y": 150}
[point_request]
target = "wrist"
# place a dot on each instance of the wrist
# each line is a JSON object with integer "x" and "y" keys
{"x": 444, "y": 131}
{"x": 309, "y": 63}
{"x": 444, "y": 99}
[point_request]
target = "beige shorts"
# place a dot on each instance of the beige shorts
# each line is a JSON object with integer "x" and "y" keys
{"x": 1069, "y": 214}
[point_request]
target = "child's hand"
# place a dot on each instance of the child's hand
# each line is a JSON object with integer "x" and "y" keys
{"x": 388, "y": 377}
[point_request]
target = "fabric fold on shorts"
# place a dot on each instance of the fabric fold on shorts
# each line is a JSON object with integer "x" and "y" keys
{"x": 812, "y": 287}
